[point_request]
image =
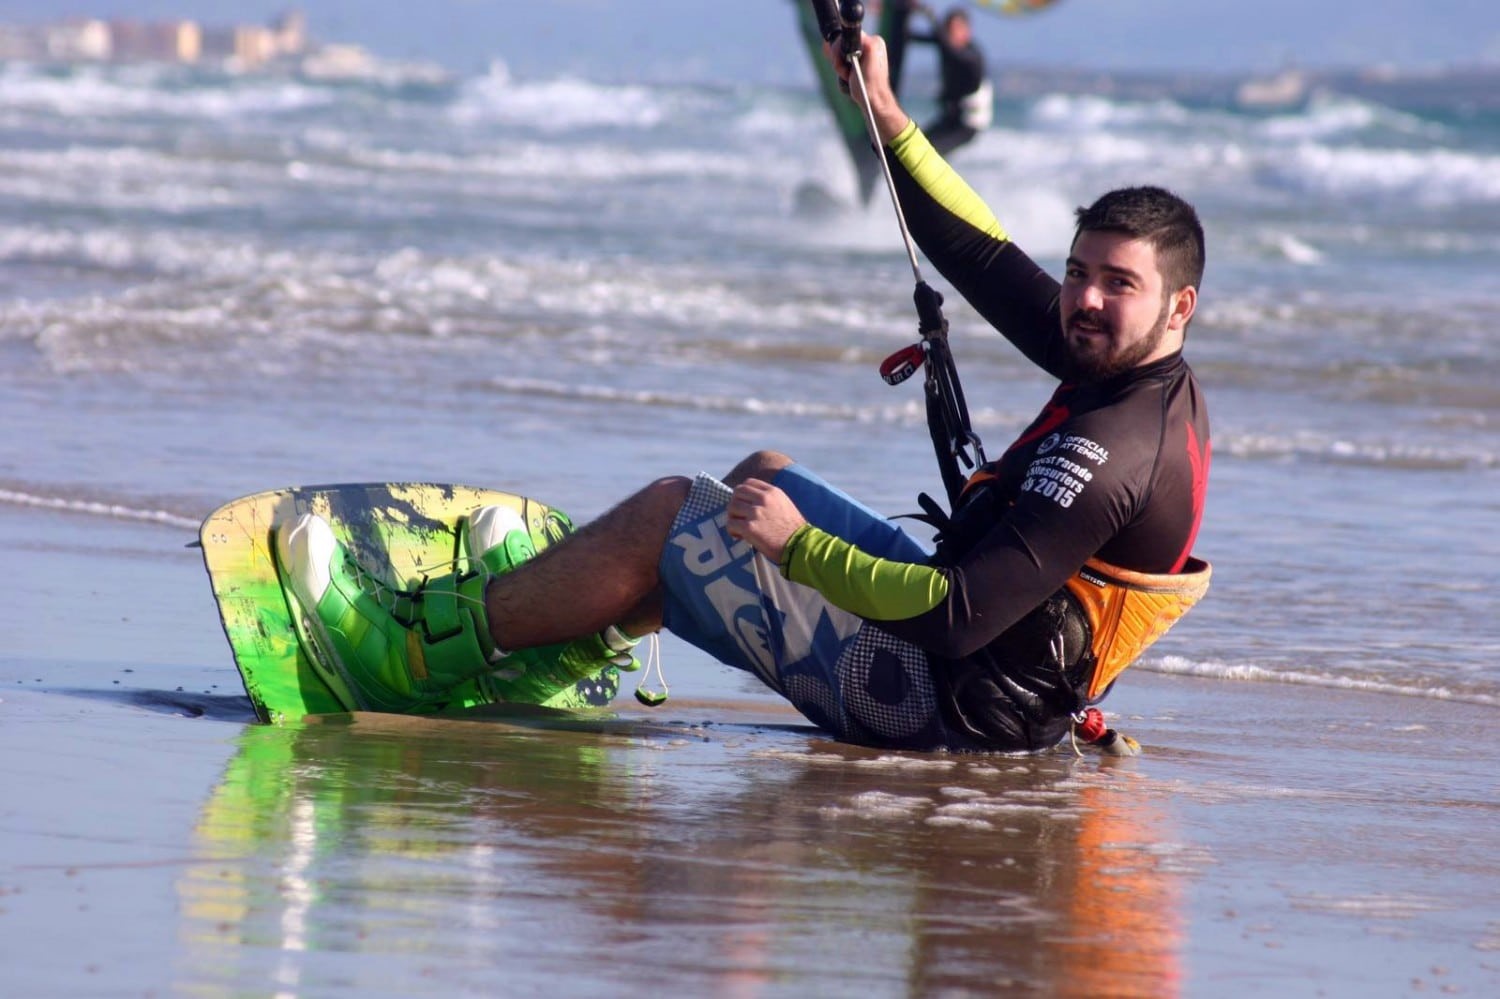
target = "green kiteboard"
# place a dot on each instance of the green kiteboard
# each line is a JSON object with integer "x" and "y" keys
{"x": 404, "y": 531}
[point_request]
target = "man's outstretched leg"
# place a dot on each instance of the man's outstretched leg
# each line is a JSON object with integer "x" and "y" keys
{"x": 503, "y": 613}
{"x": 604, "y": 574}
{"x": 390, "y": 650}
{"x": 607, "y": 573}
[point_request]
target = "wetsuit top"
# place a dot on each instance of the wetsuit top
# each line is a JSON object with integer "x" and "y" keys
{"x": 1114, "y": 470}
{"x": 962, "y": 71}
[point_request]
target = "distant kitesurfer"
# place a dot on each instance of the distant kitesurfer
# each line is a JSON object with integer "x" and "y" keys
{"x": 966, "y": 97}
{"x": 1063, "y": 560}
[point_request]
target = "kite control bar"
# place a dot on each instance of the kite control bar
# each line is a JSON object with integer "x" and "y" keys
{"x": 841, "y": 20}
{"x": 953, "y": 437}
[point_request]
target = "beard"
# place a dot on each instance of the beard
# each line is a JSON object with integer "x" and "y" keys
{"x": 1097, "y": 359}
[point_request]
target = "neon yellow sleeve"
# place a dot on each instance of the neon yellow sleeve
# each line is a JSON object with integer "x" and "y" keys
{"x": 933, "y": 174}
{"x": 874, "y": 588}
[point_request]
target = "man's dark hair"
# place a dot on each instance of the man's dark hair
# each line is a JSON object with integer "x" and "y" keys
{"x": 1161, "y": 219}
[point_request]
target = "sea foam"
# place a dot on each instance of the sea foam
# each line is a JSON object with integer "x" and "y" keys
{"x": 96, "y": 508}
{"x": 1250, "y": 673}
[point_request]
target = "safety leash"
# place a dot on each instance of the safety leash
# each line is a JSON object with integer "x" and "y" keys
{"x": 1089, "y": 726}
{"x": 652, "y": 698}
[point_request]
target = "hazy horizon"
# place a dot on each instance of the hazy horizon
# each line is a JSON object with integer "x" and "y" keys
{"x": 755, "y": 41}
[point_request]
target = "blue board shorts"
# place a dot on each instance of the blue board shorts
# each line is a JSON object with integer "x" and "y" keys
{"x": 845, "y": 675}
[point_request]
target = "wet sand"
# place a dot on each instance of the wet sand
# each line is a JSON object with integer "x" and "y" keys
{"x": 1273, "y": 839}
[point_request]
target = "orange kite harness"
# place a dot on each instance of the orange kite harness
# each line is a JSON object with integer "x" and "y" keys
{"x": 1127, "y": 611}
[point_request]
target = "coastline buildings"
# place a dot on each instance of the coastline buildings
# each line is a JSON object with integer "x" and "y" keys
{"x": 167, "y": 41}
{"x": 79, "y": 39}
{"x": 283, "y": 44}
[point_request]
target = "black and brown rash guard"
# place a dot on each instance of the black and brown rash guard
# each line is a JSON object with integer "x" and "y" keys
{"x": 1115, "y": 470}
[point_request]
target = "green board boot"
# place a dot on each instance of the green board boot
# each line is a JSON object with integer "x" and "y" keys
{"x": 383, "y": 649}
{"x": 379, "y": 648}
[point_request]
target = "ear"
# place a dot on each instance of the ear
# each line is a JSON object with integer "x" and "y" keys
{"x": 1184, "y": 304}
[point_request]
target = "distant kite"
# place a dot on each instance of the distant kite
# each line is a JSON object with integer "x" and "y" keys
{"x": 1014, "y": 6}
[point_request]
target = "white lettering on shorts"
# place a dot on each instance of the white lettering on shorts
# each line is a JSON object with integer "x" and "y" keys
{"x": 741, "y": 613}
{"x": 707, "y": 550}
{"x": 710, "y": 549}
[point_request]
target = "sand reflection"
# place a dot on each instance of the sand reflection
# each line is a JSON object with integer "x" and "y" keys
{"x": 513, "y": 856}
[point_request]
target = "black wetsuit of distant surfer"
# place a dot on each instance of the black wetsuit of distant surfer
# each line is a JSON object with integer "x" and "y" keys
{"x": 1111, "y": 474}
{"x": 964, "y": 97}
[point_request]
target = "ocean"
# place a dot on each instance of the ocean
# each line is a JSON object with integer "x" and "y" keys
{"x": 213, "y": 285}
